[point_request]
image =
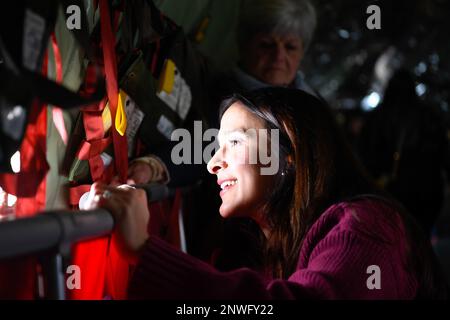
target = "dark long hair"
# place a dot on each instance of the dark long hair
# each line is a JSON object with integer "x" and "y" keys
{"x": 317, "y": 168}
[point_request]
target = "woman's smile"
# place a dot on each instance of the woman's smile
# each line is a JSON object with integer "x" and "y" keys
{"x": 226, "y": 185}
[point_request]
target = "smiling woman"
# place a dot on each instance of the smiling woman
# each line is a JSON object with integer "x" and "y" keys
{"x": 244, "y": 188}
{"x": 326, "y": 228}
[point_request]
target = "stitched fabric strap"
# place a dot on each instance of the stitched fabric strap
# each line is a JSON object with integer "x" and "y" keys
{"x": 110, "y": 62}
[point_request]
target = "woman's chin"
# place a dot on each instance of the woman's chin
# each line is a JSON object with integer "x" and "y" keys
{"x": 224, "y": 212}
{"x": 227, "y": 211}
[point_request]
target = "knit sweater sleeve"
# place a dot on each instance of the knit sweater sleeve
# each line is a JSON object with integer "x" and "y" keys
{"x": 336, "y": 268}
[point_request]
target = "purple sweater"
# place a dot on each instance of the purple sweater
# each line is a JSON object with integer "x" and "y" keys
{"x": 334, "y": 263}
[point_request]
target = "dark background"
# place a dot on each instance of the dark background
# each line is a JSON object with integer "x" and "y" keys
{"x": 341, "y": 61}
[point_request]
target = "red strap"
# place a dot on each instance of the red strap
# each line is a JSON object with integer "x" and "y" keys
{"x": 28, "y": 181}
{"x": 93, "y": 125}
{"x": 90, "y": 149}
{"x": 105, "y": 271}
{"x": 110, "y": 63}
{"x": 17, "y": 277}
{"x": 117, "y": 271}
{"x": 91, "y": 257}
{"x": 90, "y": 81}
{"x": 97, "y": 167}
{"x": 95, "y": 144}
{"x": 104, "y": 175}
{"x": 75, "y": 193}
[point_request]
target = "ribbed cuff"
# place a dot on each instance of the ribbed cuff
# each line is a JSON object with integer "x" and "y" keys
{"x": 159, "y": 170}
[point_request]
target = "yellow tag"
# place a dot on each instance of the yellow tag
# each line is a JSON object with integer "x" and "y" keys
{"x": 167, "y": 77}
{"x": 121, "y": 116}
{"x": 106, "y": 117}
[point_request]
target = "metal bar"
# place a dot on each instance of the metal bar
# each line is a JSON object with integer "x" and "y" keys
{"x": 51, "y": 229}
{"x": 56, "y": 280}
{"x": 55, "y": 228}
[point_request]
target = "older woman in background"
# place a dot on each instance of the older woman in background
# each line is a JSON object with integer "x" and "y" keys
{"x": 273, "y": 36}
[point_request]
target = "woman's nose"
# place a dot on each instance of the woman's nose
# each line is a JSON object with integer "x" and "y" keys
{"x": 216, "y": 163}
{"x": 278, "y": 50}
{"x": 279, "y": 53}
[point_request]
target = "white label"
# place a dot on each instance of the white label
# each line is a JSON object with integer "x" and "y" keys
{"x": 184, "y": 104}
{"x": 33, "y": 32}
{"x": 170, "y": 99}
{"x": 134, "y": 120}
{"x": 179, "y": 100}
{"x": 165, "y": 126}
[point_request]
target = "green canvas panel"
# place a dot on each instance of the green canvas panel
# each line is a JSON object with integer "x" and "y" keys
{"x": 72, "y": 67}
{"x": 219, "y": 43}
{"x": 73, "y": 73}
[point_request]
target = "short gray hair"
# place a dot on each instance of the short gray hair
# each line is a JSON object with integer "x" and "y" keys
{"x": 278, "y": 16}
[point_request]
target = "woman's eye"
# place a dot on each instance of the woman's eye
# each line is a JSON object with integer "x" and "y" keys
{"x": 234, "y": 143}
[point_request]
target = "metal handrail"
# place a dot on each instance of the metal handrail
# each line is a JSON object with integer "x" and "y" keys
{"x": 52, "y": 233}
{"x": 51, "y": 229}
